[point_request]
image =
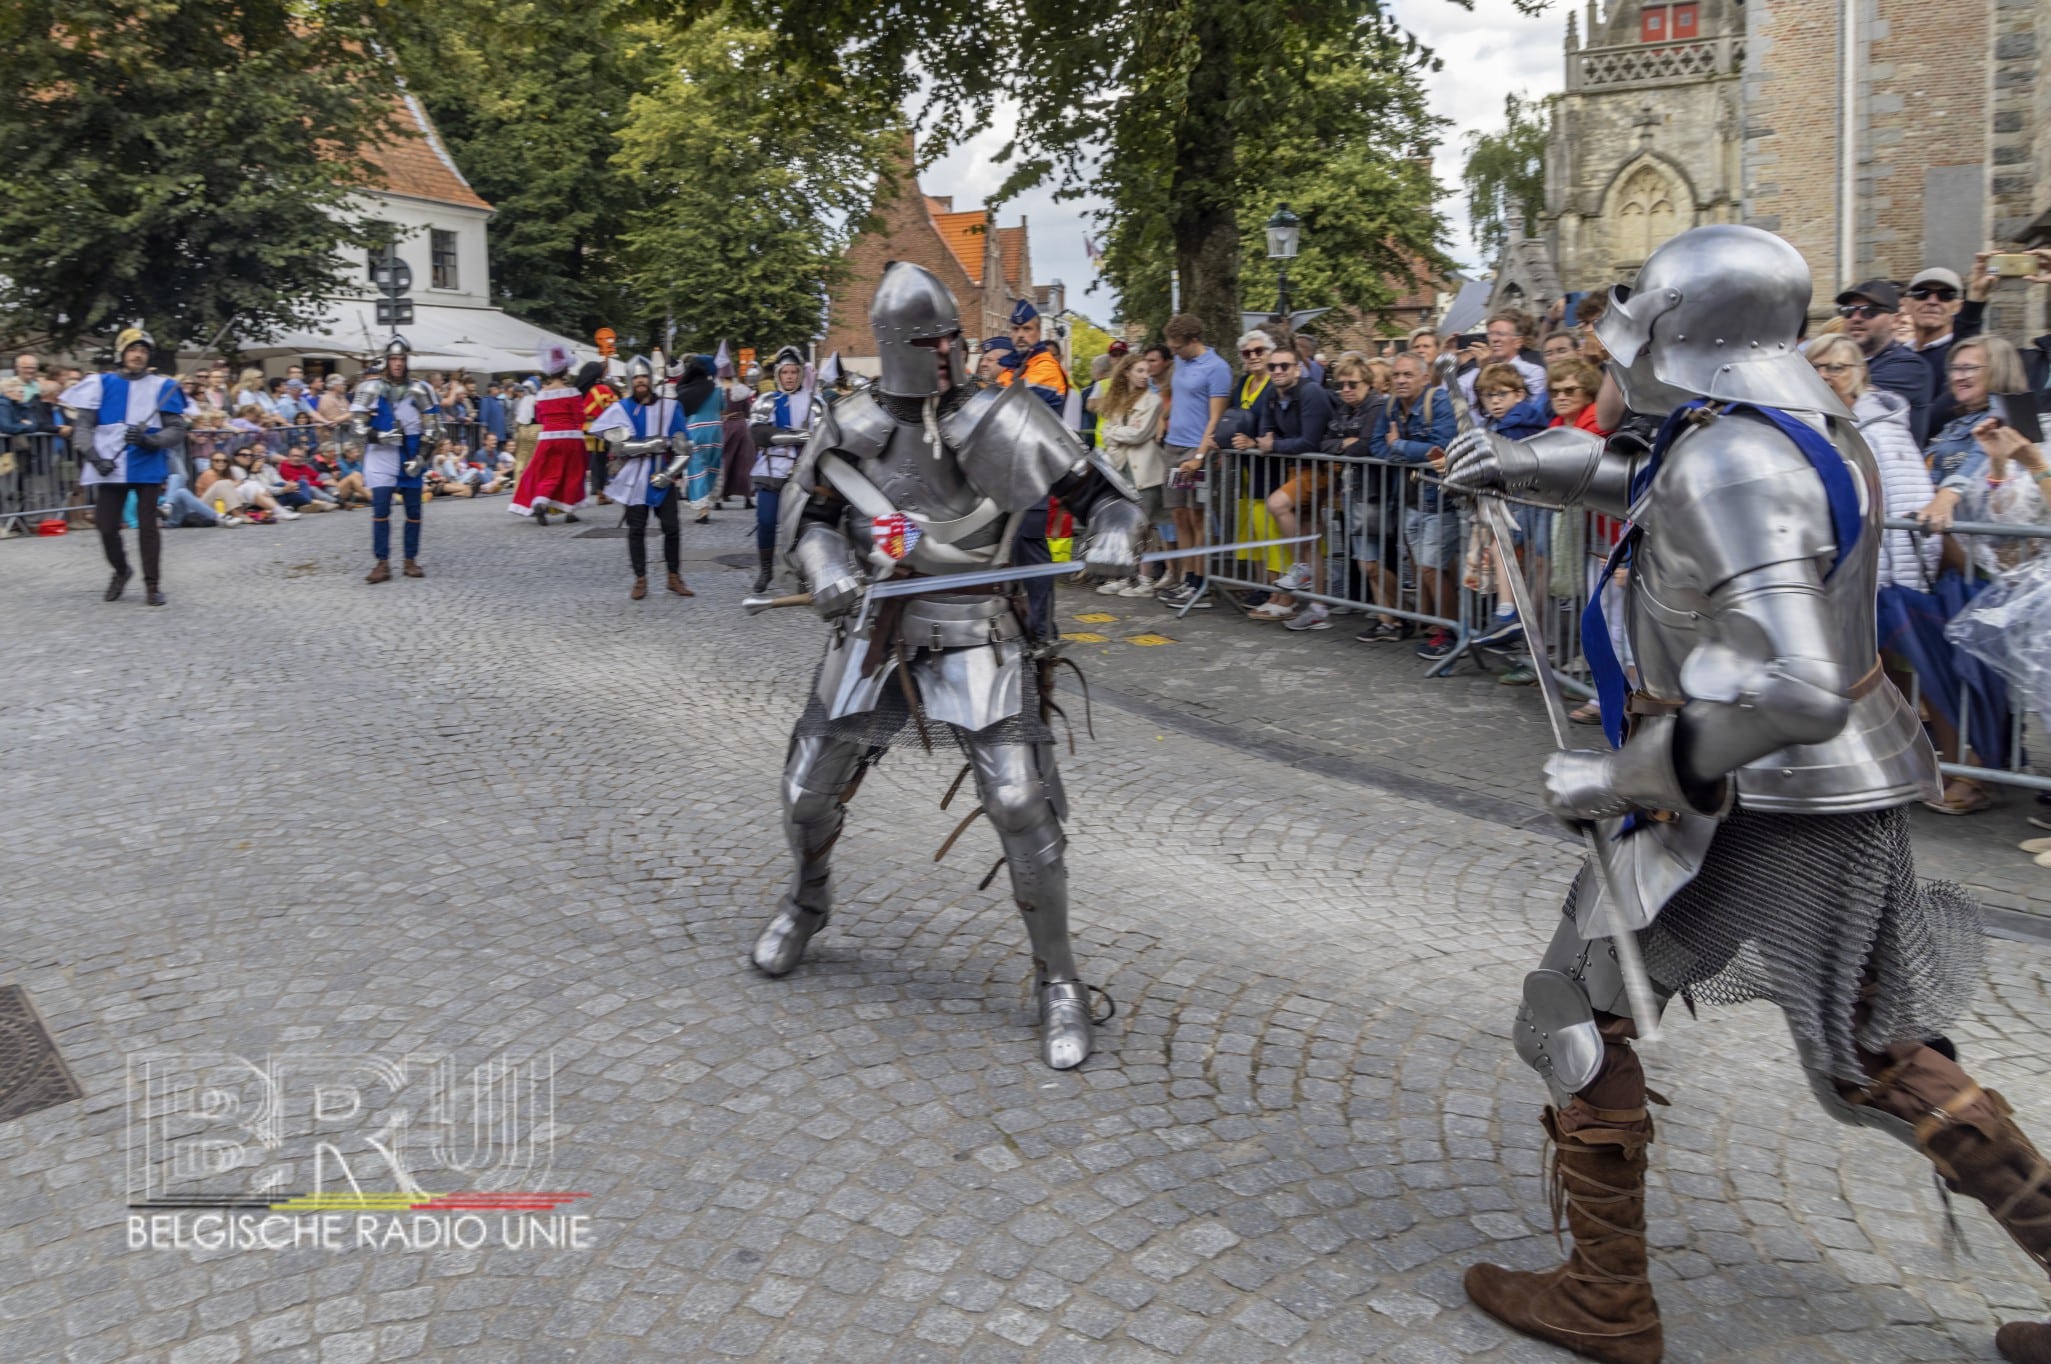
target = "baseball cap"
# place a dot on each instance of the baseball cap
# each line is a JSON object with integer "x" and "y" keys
{"x": 1877, "y": 291}
{"x": 1117, "y": 349}
{"x": 1937, "y": 274}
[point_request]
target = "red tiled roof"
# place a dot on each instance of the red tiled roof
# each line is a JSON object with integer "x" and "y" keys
{"x": 418, "y": 166}
{"x": 964, "y": 233}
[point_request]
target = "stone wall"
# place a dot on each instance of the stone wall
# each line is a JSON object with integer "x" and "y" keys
{"x": 907, "y": 233}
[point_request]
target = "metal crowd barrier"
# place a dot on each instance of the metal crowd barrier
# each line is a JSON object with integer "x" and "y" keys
{"x": 1370, "y": 559}
{"x": 39, "y": 473}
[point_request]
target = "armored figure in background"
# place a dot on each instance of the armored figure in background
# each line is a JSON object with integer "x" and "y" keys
{"x": 399, "y": 421}
{"x": 1766, "y": 850}
{"x": 780, "y": 422}
{"x": 924, "y": 475}
{"x": 641, "y": 429}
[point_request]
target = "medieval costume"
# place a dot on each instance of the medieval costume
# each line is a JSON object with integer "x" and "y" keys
{"x": 597, "y": 399}
{"x": 1750, "y": 819}
{"x": 554, "y": 477}
{"x": 703, "y": 403}
{"x": 641, "y": 429}
{"x": 779, "y": 424}
{"x": 132, "y": 423}
{"x": 399, "y": 420}
{"x": 736, "y": 444}
{"x": 923, "y": 475}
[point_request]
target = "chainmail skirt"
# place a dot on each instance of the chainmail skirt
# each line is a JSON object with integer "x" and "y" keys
{"x": 1818, "y": 913}
{"x": 891, "y": 721}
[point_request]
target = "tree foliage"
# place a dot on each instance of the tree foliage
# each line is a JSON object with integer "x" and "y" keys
{"x": 186, "y": 163}
{"x": 1176, "y": 112}
{"x": 755, "y": 180}
{"x": 531, "y": 97}
{"x": 1505, "y": 171}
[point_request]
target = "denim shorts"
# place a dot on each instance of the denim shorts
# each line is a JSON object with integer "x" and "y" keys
{"x": 1433, "y": 537}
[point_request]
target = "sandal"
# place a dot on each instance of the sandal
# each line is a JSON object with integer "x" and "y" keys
{"x": 1961, "y": 797}
{"x": 1588, "y": 713}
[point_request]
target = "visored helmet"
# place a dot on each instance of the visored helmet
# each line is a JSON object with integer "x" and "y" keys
{"x": 1717, "y": 313}
{"x": 913, "y": 311}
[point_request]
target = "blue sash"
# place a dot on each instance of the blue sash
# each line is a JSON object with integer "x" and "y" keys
{"x": 1611, "y": 688}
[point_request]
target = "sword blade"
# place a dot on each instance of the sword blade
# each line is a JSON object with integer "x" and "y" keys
{"x": 949, "y": 582}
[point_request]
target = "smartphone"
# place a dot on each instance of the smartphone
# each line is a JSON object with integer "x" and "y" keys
{"x": 2012, "y": 265}
{"x": 2018, "y": 411}
{"x": 1466, "y": 339}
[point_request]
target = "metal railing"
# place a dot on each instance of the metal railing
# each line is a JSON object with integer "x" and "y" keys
{"x": 1380, "y": 555}
{"x": 39, "y": 472}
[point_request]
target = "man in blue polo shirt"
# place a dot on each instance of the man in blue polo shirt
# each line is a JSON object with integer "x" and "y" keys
{"x": 1201, "y": 388}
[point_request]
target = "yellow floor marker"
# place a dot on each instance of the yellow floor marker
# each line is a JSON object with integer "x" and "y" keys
{"x": 1145, "y": 640}
{"x": 1085, "y": 637}
{"x": 1095, "y": 618}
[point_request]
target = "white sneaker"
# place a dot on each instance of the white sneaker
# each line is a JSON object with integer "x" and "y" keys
{"x": 1271, "y": 611}
{"x": 1313, "y": 617}
{"x": 1115, "y": 588}
{"x": 1295, "y": 580}
{"x": 1140, "y": 587}
{"x": 287, "y": 514}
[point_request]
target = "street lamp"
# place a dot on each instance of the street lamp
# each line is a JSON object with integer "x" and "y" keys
{"x": 1283, "y": 231}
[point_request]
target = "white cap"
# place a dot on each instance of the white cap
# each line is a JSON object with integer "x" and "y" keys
{"x": 1937, "y": 274}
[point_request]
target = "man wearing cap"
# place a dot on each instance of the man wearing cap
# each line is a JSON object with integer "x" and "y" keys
{"x": 1869, "y": 311}
{"x": 1035, "y": 361}
{"x": 1946, "y": 310}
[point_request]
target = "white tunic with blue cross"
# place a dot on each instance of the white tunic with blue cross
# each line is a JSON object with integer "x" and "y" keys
{"x": 630, "y": 487}
{"x": 393, "y": 407}
{"x": 118, "y": 403}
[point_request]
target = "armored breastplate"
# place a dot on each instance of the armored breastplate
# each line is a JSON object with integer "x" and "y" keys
{"x": 924, "y": 478}
{"x": 1881, "y": 757}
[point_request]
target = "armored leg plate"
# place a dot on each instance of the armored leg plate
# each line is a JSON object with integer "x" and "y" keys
{"x": 1065, "y": 1038}
{"x": 782, "y": 944}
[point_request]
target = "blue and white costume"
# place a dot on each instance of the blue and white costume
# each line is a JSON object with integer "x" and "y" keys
{"x": 642, "y": 429}
{"x": 400, "y": 421}
{"x": 130, "y": 425}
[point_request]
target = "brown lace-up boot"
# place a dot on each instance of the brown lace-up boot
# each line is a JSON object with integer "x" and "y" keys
{"x": 1599, "y": 1303}
{"x": 1973, "y": 1140}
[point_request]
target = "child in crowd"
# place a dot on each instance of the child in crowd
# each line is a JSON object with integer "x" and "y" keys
{"x": 1509, "y": 410}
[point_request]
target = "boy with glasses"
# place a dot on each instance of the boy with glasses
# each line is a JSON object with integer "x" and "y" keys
{"x": 1870, "y": 312}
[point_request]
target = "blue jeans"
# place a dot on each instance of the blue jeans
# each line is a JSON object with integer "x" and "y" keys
{"x": 381, "y": 521}
{"x": 179, "y": 502}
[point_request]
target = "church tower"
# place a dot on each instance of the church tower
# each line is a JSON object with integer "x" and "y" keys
{"x": 1646, "y": 137}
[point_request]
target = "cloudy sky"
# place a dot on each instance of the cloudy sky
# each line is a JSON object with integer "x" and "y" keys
{"x": 1487, "y": 52}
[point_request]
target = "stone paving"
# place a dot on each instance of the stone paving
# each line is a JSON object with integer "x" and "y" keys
{"x": 506, "y": 809}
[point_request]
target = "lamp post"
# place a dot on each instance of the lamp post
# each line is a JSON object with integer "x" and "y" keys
{"x": 1284, "y": 230}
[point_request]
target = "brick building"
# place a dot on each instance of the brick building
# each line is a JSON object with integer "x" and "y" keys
{"x": 1878, "y": 136}
{"x": 986, "y": 265}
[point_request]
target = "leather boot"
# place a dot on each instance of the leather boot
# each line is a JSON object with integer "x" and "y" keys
{"x": 153, "y": 596}
{"x": 118, "y": 584}
{"x": 676, "y": 585}
{"x": 1980, "y": 1152}
{"x": 382, "y": 573}
{"x": 765, "y": 569}
{"x": 2024, "y": 1342}
{"x": 639, "y": 590}
{"x": 412, "y": 570}
{"x": 1599, "y": 1303}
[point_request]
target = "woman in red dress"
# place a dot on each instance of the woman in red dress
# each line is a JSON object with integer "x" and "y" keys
{"x": 554, "y": 477}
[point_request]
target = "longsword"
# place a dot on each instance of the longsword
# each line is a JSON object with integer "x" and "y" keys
{"x": 1496, "y": 516}
{"x": 950, "y": 582}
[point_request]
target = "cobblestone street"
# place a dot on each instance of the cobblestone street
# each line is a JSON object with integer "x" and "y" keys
{"x": 506, "y": 810}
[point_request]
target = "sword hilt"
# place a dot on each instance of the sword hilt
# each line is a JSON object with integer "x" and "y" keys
{"x": 755, "y": 606}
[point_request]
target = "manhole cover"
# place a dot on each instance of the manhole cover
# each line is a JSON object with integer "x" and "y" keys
{"x": 32, "y": 1075}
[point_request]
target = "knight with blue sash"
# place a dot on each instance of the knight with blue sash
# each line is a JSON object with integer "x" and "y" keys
{"x": 399, "y": 420}
{"x": 1752, "y": 805}
{"x": 641, "y": 429}
{"x": 130, "y": 424}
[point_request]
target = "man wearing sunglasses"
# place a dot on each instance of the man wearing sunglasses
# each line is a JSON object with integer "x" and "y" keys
{"x": 1945, "y": 310}
{"x": 1870, "y": 312}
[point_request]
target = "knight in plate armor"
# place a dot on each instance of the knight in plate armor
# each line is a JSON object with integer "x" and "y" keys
{"x": 922, "y": 474}
{"x": 399, "y": 421}
{"x": 1761, "y": 769}
{"x": 640, "y": 431}
{"x": 780, "y": 423}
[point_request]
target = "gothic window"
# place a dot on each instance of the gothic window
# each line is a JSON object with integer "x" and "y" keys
{"x": 1645, "y": 214}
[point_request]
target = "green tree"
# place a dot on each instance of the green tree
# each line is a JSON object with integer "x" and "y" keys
{"x": 187, "y": 163}
{"x": 1164, "y": 108}
{"x": 530, "y": 97}
{"x": 1086, "y": 341}
{"x": 757, "y": 179}
{"x": 1505, "y": 171}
